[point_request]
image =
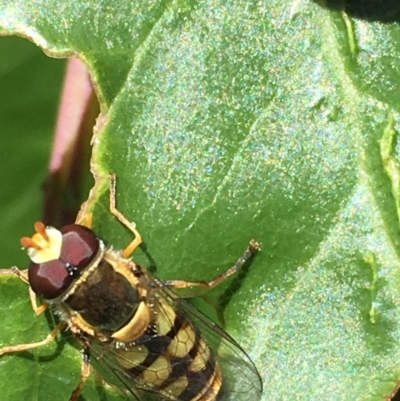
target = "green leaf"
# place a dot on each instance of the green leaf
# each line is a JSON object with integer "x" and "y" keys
{"x": 236, "y": 120}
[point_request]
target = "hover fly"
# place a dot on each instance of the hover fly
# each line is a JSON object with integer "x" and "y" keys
{"x": 133, "y": 326}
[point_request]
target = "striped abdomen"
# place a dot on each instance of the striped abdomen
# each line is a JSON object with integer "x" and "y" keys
{"x": 173, "y": 359}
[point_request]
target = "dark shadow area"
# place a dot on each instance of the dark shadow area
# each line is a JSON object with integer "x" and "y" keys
{"x": 234, "y": 285}
{"x": 369, "y": 10}
{"x": 152, "y": 267}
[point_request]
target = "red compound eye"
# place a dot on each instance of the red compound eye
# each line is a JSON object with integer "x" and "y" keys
{"x": 79, "y": 247}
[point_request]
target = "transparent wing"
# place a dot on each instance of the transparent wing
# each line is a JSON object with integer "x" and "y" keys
{"x": 157, "y": 367}
{"x": 242, "y": 380}
{"x": 112, "y": 373}
{"x": 107, "y": 361}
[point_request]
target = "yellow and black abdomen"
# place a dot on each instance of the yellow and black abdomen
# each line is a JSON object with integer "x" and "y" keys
{"x": 172, "y": 359}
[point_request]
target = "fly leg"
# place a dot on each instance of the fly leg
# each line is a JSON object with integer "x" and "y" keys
{"x": 86, "y": 219}
{"x": 23, "y": 275}
{"x": 248, "y": 253}
{"x": 26, "y": 347}
{"x": 85, "y": 375}
{"x": 127, "y": 252}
